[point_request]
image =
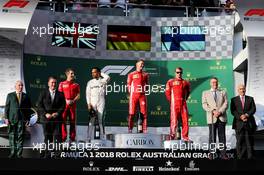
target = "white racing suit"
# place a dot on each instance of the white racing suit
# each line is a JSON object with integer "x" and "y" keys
{"x": 95, "y": 95}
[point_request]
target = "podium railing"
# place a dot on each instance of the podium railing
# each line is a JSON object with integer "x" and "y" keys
{"x": 132, "y": 9}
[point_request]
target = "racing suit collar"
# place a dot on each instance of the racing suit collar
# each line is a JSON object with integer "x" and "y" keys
{"x": 179, "y": 79}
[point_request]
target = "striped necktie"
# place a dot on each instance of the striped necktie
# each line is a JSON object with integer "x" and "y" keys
{"x": 215, "y": 96}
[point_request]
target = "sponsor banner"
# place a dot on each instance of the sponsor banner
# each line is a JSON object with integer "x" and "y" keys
{"x": 155, "y": 165}
{"x": 255, "y": 81}
{"x": 128, "y": 160}
{"x": 251, "y": 16}
{"x": 16, "y": 13}
{"x": 89, "y": 151}
{"x": 198, "y": 72}
{"x": 10, "y": 60}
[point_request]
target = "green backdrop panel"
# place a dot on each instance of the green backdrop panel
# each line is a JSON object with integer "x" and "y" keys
{"x": 198, "y": 72}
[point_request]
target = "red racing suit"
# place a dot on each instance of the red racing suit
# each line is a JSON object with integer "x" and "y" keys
{"x": 70, "y": 90}
{"x": 136, "y": 84}
{"x": 177, "y": 92}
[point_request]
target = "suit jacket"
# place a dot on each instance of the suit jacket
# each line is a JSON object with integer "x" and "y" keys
{"x": 237, "y": 111}
{"x": 45, "y": 105}
{"x": 209, "y": 104}
{"x": 15, "y": 111}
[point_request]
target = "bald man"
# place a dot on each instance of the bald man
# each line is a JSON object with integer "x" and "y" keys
{"x": 17, "y": 112}
{"x": 243, "y": 109}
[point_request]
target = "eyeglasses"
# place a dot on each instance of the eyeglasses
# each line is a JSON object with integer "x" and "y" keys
{"x": 178, "y": 72}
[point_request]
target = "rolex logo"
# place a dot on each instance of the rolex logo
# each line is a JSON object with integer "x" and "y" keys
{"x": 218, "y": 63}
{"x": 91, "y": 163}
{"x": 188, "y": 74}
{"x": 62, "y": 76}
{"x": 158, "y": 111}
{"x": 38, "y": 58}
{"x": 38, "y": 62}
{"x": 37, "y": 84}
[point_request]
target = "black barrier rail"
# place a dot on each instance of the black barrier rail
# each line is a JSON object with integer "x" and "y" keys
{"x": 133, "y": 9}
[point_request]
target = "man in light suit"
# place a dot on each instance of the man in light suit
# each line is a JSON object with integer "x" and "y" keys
{"x": 214, "y": 102}
{"x": 243, "y": 109}
{"x": 17, "y": 112}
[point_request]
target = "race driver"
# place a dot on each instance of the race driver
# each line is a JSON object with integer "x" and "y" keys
{"x": 71, "y": 92}
{"x": 95, "y": 97}
{"x": 177, "y": 92}
{"x": 137, "y": 84}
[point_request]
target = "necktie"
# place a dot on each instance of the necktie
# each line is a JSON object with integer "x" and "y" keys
{"x": 242, "y": 102}
{"x": 18, "y": 97}
{"x": 215, "y": 96}
{"x": 52, "y": 96}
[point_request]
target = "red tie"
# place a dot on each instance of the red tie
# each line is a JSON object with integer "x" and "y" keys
{"x": 243, "y": 102}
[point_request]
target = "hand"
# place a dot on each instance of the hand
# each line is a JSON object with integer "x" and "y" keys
{"x": 54, "y": 115}
{"x": 215, "y": 113}
{"x": 218, "y": 113}
{"x": 69, "y": 102}
{"x": 89, "y": 107}
{"x": 48, "y": 116}
{"x": 243, "y": 118}
{"x": 6, "y": 121}
{"x": 27, "y": 123}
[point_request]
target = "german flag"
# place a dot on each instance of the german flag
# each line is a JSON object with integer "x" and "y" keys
{"x": 136, "y": 38}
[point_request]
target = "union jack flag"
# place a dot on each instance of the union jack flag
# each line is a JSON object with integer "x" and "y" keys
{"x": 75, "y": 35}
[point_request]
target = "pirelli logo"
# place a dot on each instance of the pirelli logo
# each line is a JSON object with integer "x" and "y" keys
{"x": 143, "y": 168}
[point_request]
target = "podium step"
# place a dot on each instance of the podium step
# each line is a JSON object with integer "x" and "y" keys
{"x": 138, "y": 141}
{"x": 103, "y": 143}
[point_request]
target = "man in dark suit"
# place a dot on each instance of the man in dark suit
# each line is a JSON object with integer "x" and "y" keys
{"x": 243, "y": 108}
{"x": 51, "y": 104}
{"x": 17, "y": 112}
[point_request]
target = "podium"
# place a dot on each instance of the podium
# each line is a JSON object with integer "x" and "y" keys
{"x": 102, "y": 143}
